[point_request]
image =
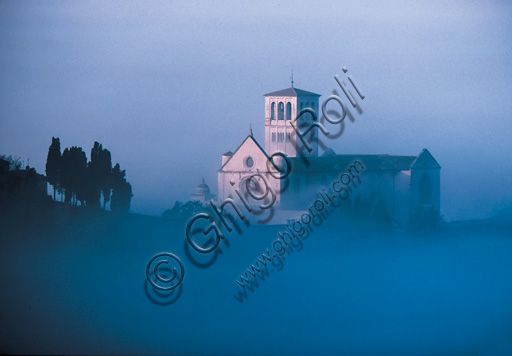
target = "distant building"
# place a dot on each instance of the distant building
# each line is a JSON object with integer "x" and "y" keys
{"x": 202, "y": 194}
{"x": 397, "y": 184}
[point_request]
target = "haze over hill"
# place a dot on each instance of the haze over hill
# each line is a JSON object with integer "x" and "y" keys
{"x": 171, "y": 86}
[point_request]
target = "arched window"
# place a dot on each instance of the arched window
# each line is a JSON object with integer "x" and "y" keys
{"x": 289, "y": 111}
{"x": 273, "y": 111}
{"x": 425, "y": 190}
{"x": 280, "y": 112}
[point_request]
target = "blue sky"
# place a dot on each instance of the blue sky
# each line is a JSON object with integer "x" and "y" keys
{"x": 168, "y": 86}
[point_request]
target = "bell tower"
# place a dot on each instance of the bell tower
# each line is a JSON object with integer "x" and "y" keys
{"x": 281, "y": 109}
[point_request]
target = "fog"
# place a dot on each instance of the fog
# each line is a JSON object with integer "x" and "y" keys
{"x": 79, "y": 288}
{"x": 168, "y": 87}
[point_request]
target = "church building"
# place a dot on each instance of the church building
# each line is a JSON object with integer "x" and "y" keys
{"x": 397, "y": 184}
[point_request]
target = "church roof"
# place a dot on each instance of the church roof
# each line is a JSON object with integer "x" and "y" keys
{"x": 291, "y": 92}
{"x": 339, "y": 162}
{"x": 331, "y": 161}
{"x": 425, "y": 160}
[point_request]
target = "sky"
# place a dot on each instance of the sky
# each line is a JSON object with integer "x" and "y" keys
{"x": 168, "y": 86}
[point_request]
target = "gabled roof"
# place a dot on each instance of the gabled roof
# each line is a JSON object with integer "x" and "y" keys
{"x": 291, "y": 92}
{"x": 330, "y": 162}
{"x": 425, "y": 160}
{"x": 249, "y": 137}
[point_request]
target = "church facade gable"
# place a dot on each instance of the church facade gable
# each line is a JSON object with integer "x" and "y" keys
{"x": 249, "y": 159}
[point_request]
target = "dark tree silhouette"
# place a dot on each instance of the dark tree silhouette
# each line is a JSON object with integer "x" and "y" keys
{"x": 87, "y": 181}
{"x": 15, "y": 163}
{"x": 106, "y": 175}
{"x": 99, "y": 176}
{"x": 175, "y": 212}
{"x": 180, "y": 210}
{"x": 94, "y": 177}
{"x": 66, "y": 175}
{"x": 30, "y": 190}
{"x": 121, "y": 191}
{"x": 118, "y": 175}
{"x": 53, "y": 162}
{"x": 74, "y": 174}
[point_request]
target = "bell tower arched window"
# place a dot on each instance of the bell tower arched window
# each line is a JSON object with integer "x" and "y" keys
{"x": 280, "y": 112}
{"x": 288, "y": 111}
{"x": 273, "y": 111}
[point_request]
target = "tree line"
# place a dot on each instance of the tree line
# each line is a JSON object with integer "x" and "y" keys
{"x": 86, "y": 182}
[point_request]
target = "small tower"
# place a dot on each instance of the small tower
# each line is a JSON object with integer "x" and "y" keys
{"x": 282, "y": 108}
{"x": 202, "y": 193}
